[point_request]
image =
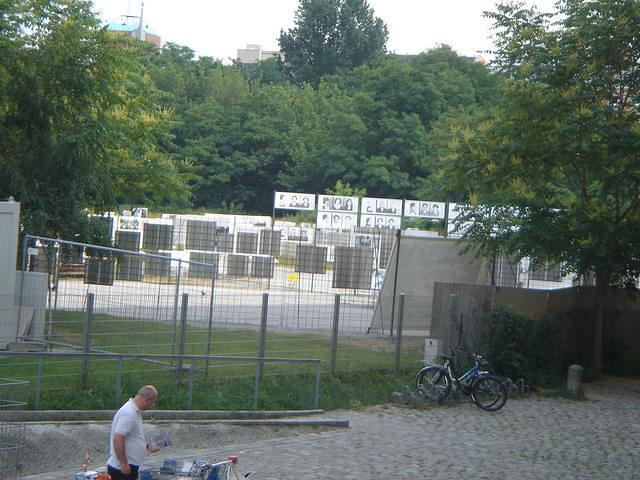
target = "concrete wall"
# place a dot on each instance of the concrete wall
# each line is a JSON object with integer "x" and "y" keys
{"x": 9, "y": 222}
{"x": 421, "y": 262}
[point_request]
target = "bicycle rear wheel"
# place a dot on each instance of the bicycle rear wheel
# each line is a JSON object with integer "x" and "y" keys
{"x": 433, "y": 383}
{"x": 489, "y": 393}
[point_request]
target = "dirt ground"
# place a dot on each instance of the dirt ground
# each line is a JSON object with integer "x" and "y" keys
{"x": 52, "y": 446}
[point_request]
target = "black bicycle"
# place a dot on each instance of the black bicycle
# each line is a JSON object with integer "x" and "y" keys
{"x": 435, "y": 382}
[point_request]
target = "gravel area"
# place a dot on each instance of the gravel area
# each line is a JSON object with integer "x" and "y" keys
{"x": 63, "y": 446}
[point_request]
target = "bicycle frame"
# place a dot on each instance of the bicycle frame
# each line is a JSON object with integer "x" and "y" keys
{"x": 466, "y": 380}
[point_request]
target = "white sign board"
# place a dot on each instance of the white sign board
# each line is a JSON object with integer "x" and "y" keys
{"x": 335, "y": 219}
{"x": 380, "y": 221}
{"x": 295, "y": 201}
{"x": 336, "y": 203}
{"x": 424, "y": 209}
{"x": 381, "y": 206}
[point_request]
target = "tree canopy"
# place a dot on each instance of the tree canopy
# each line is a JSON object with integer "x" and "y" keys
{"x": 94, "y": 120}
{"x": 553, "y": 171}
{"x": 79, "y": 128}
{"x": 331, "y": 36}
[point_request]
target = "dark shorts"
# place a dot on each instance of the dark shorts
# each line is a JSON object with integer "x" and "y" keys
{"x": 116, "y": 474}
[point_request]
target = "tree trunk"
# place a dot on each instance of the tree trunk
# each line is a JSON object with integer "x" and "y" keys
{"x": 602, "y": 287}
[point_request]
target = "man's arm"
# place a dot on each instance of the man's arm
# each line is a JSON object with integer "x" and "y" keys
{"x": 118, "y": 448}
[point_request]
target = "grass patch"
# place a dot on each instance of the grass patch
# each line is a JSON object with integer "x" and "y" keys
{"x": 364, "y": 368}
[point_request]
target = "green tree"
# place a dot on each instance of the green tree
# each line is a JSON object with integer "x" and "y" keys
{"x": 326, "y": 140}
{"x": 266, "y": 72}
{"x": 554, "y": 171}
{"x": 401, "y": 101}
{"x": 331, "y": 36}
{"x": 345, "y": 189}
{"x": 77, "y": 121}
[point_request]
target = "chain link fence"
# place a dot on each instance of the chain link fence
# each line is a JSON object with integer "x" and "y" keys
{"x": 13, "y": 396}
{"x": 250, "y": 295}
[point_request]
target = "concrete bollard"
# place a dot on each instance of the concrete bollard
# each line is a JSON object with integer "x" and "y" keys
{"x": 574, "y": 381}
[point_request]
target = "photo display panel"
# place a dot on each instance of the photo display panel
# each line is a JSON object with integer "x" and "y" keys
{"x": 337, "y": 203}
{"x": 381, "y": 212}
{"x": 424, "y": 209}
{"x": 294, "y": 201}
{"x": 381, "y": 206}
{"x": 379, "y": 221}
{"x": 336, "y": 220}
{"x": 336, "y": 211}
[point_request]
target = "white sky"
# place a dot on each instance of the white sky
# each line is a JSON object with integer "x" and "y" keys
{"x": 217, "y": 28}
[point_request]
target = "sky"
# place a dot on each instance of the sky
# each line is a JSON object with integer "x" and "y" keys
{"x": 218, "y": 28}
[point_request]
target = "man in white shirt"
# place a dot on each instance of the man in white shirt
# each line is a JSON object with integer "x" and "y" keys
{"x": 128, "y": 446}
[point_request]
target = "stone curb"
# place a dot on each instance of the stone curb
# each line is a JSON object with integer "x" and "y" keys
{"x": 151, "y": 415}
{"x": 245, "y": 423}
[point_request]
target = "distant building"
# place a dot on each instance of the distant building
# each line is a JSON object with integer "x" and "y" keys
{"x": 476, "y": 59}
{"x": 254, "y": 54}
{"x": 133, "y": 30}
{"x": 133, "y": 27}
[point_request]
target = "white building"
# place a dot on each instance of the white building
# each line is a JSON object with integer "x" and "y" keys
{"x": 254, "y": 54}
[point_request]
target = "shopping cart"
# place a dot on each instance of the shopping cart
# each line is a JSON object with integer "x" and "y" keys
{"x": 224, "y": 470}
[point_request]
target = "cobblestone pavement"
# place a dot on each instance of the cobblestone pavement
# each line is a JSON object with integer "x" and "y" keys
{"x": 532, "y": 438}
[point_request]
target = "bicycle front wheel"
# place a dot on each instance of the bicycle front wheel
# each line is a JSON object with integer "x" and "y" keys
{"x": 489, "y": 393}
{"x": 433, "y": 383}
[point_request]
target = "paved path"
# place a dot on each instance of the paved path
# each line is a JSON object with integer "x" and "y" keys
{"x": 528, "y": 439}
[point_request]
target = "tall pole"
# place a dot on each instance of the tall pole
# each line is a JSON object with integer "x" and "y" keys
{"x": 395, "y": 280}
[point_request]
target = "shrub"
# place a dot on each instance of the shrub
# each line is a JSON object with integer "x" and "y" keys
{"x": 521, "y": 347}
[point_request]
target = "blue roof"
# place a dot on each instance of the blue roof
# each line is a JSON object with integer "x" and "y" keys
{"x": 127, "y": 27}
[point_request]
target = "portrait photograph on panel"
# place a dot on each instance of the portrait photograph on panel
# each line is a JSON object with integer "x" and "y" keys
{"x": 424, "y": 209}
{"x": 348, "y": 221}
{"x": 294, "y": 201}
{"x": 382, "y": 206}
{"x": 129, "y": 223}
{"x": 337, "y": 203}
{"x": 323, "y": 220}
{"x": 368, "y": 205}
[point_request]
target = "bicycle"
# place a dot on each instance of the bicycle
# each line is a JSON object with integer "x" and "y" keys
{"x": 435, "y": 382}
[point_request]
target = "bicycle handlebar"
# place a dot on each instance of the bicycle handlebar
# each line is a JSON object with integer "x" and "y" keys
{"x": 453, "y": 350}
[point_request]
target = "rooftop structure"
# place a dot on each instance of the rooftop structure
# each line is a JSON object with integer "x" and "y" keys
{"x": 254, "y": 54}
{"x": 132, "y": 26}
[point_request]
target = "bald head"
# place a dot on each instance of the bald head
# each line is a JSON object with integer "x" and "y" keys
{"x": 146, "y": 397}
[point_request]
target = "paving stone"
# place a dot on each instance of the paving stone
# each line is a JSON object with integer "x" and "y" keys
{"x": 529, "y": 439}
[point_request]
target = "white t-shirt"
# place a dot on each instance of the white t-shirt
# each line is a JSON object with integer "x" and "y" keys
{"x": 128, "y": 422}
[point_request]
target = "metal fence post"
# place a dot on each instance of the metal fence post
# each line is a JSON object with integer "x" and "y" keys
{"x": 261, "y": 348}
{"x": 316, "y": 398}
{"x": 256, "y": 387}
{"x": 38, "y": 382}
{"x": 183, "y": 332}
{"x": 190, "y": 389}
{"x": 118, "y": 381}
{"x": 452, "y": 310}
{"x": 262, "y": 345}
{"x": 395, "y": 280}
{"x": 210, "y": 327}
{"x": 396, "y": 368}
{"x": 25, "y": 248}
{"x": 334, "y": 334}
{"x": 175, "y": 303}
{"x": 88, "y": 320}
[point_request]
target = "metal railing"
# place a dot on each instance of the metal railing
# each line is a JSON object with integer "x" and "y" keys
{"x": 162, "y": 360}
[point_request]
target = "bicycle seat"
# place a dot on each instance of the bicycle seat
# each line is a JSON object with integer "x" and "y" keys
{"x": 483, "y": 362}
